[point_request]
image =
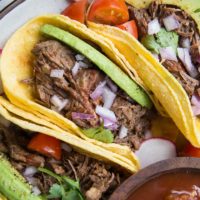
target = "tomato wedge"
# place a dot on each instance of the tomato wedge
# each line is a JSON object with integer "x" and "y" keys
{"x": 46, "y": 145}
{"x": 111, "y": 12}
{"x": 76, "y": 10}
{"x": 191, "y": 151}
{"x": 130, "y": 27}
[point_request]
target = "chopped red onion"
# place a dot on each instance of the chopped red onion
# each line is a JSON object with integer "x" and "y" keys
{"x": 184, "y": 56}
{"x": 185, "y": 43}
{"x": 112, "y": 85}
{"x": 66, "y": 147}
{"x": 83, "y": 64}
{"x": 110, "y": 125}
{"x": 108, "y": 97}
{"x": 76, "y": 115}
{"x": 30, "y": 171}
{"x": 153, "y": 27}
{"x": 75, "y": 69}
{"x": 36, "y": 191}
{"x": 171, "y": 23}
{"x": 168, "y": 53}
{"x": 79, "y": 57}
{"x": 196, "y": 110}
{"x": 195, "y": 100}
{"x": 98, "y": 91}
{"x": 123, "y": 132}
{"x": 57, "y": 73}
{"x": 106, "y": 113}
{"x": 58, "y": 103}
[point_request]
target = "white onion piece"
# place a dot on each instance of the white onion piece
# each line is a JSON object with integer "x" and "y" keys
{"x": 57, "y": 73}
{"x": 66, "y": 147}
{"x": 58, "y": 103}
{"x": 79, "y": 57}
{"x": 195, "y": 100}
{"x": 171, "y": 23}
{"x": 4, "y": 121}
{"x": 76, "y": 115}
{"x": 168, "y": 53}
{"x": 83, "y": 64}
{"x": 111, "y": 85}
{"x": 184, "y": 56}
{"x": 110, "y": 125}
{"x": 30, "y": 171}
{"x": 153, "y": 27}
{"x": 108, "y": 97}
{"x": 106, "y": 113}
{"x": 75, "y": 69}
{"x": 186, "y": 43}
{"x": 98, "y": 91}
{"x": 123, "y": 132}
{"x": 196, "y": 110}
{"x": 36, "y": 191}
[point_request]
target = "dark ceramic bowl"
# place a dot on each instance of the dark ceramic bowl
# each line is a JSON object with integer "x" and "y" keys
{"x": 184, "y": 165}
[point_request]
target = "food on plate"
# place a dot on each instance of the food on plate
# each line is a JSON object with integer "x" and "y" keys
{"x": 70, "y": 76}
{"x": 169, "y": 63}
{"x": 31, "y": 171}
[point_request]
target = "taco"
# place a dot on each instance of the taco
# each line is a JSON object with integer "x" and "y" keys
{"x": 64, "y": 73}
{"x": 40, "y": 163}
{"x": 166, "y": 57}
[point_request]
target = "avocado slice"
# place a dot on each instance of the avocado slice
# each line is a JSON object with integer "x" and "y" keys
{"x": 12, "y": 185}
{"x": 106, "y": 65}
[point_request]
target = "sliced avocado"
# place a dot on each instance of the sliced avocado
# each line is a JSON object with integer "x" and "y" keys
{"x": 106, "y": 65}
{"x": 12, "y": 185}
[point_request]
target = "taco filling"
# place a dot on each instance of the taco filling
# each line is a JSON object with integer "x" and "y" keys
{"x": 173, "y": 38}
{"x": 85, "y": 177}
{"x": 68, "y": 83}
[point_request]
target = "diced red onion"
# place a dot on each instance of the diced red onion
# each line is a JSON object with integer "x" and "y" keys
{"x": 79, "y": 57}
{"x": 36, "y": 191}
{"x": 98, "y": 91}
{"x": 75, "y": 69}
{"x": 123, "y": 132}
{"x": 30, "y": 171}
{"x": 196, "y": 110}
{"x": 184, "y": 56}
{"x": 111, "y": 85}
{"x": 108, "y": 97}
{"x": 83, "y": 64}
{"x": 171, "y": 23}
{"x": 58, "y": 103}
{"x": 76, "y": 115}
{"x": 153, "y": 27}
{"x": 186, "y": 43}
{"x": 168, "y": 53}
{"x": 110, "y": 125}
{"x": 106, "y": 113}
{"x": 57, "y": 73}
{"x": 66, "y": 147}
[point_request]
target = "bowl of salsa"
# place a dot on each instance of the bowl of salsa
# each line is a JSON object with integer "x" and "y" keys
{"x": 173, "y": 179}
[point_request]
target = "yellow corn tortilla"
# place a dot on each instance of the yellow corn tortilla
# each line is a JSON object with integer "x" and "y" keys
{"x": 16, "y": 65}
{"x": 154, "y": 76}
{"x": 31, "y": 122}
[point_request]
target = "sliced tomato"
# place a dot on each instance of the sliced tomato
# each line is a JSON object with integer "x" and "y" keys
{"x": 191, "y": 151}
{"x": 111, "y": 12}
{"x": 76, "y": 10}
{"x": 130, "y": 27}
{"x": 46, "y": 145}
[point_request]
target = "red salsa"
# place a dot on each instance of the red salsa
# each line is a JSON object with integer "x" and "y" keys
{"x": 171, "y": 186}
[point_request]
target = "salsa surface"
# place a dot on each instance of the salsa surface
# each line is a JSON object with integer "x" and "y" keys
{"x": 172, "y": 186}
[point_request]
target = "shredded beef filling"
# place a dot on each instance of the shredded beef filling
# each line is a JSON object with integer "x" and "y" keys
{"x": 51, "y": 55}
{"x": 188, "y": 29}
{"x": 97, "y": 180}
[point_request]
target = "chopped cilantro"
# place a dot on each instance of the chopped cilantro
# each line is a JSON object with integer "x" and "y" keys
{"x": 65, "y": 189}
{"x": 100, "y": 134}
{"x": 197, "y": 10}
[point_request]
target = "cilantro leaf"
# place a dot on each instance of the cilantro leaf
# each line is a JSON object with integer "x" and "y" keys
{"x": 55, "y": 191}
{"x": 100, "y": 134}
{"x": 197, "y": 10}
{"x": 72, "y": 195}
{"x": 71, "y": 183}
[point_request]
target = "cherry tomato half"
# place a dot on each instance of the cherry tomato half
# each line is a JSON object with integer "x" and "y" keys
{"x": 46, "y": 145}
{"x": 191, "y": 151}
{"x": 111, "y": 12}
{"x": 76, "y": 10}
{"x": 130, "y": 27}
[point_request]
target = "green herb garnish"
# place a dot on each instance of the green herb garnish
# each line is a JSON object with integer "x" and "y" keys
{"x": 197, "y": 10}
{"x": 100, "y": 134}
{"x": 65, "y": 189}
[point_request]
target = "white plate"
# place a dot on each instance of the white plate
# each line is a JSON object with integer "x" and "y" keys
{"x": 25, "y": 11}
